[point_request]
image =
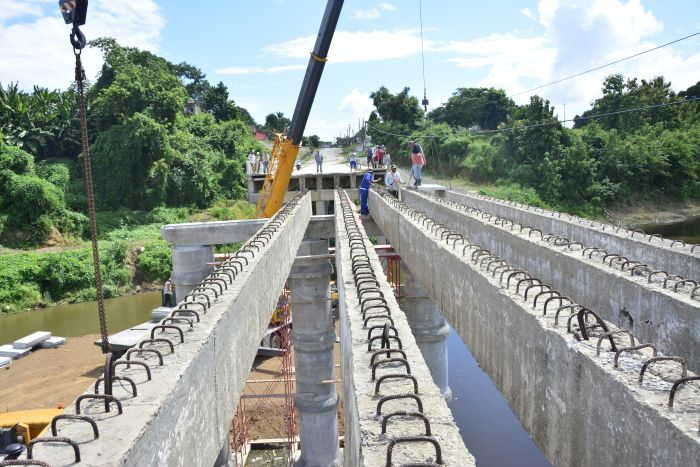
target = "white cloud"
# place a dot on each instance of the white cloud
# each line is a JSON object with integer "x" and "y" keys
{"x": 576, "y": 35}
{"x": 528, "y": 12}
{"x": 45, "y": 57}
{"x": 355, "y": 46}
{"x": 14, "y": 9}
{"x": 374, "y": 13}
{"x": 235, "y": 70}
{"x": 356, "y": 104}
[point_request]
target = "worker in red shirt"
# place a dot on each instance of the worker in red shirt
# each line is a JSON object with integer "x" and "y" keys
{"x": 379, "y": 156}
{"x": 417, "y": 162}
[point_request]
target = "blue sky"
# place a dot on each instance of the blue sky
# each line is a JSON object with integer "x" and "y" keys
{"x": 260, "y": 49}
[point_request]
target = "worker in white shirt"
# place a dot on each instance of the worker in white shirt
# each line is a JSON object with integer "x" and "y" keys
{"x": 392, "y": 180}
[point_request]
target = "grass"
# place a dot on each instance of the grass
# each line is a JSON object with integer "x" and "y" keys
{"x": 131, "y": 248}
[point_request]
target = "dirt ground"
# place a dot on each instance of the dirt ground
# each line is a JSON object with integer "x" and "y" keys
{"x": 49, "y": 377}
{"x": 266, "y": 416}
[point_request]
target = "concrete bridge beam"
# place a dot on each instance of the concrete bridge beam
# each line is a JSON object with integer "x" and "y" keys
{"x": 580, "y": 406}
{"x": 429, "y": 328}
{"x": 314, "y": 337}
{"x": 669, "y": 319}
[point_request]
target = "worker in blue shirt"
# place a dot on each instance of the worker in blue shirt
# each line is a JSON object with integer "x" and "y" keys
{"x": 365, "y": 185}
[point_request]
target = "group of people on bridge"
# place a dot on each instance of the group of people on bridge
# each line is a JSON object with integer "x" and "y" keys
{"x": 257, "y": 162}
{"x": 392, "y": 178}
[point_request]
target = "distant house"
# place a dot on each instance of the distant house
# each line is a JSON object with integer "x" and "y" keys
{"x": 259, "y": 134}
{"x": 191, "y": 107}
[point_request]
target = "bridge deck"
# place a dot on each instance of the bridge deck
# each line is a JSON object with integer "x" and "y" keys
{"x": 578, "y": 407}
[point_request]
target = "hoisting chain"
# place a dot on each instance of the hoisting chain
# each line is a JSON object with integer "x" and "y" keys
{"x": 89, "y": 188}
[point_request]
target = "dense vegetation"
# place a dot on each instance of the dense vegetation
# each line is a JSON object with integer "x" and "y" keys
{"x": 525, "y": 151}
{"x": 167, "y": 146}
{"x": 148, "y": 148}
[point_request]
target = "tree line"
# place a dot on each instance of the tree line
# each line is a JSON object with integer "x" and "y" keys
{"x": 161, "y": 135}
{"x": 639, "y": 140}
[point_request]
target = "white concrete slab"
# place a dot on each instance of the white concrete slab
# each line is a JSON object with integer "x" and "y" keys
{"x": 32, "y": 340}
{"x": 160, "y": 313}
{"x": 9, "y": 351}
{"x": 5, "y": 362}
{"x": 52, "y": 342}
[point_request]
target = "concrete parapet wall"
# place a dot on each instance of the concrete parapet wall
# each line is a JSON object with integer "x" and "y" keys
{"x": 183, "y": 416}
{"x": 577, "y": 407}
{"x": 673, "y": 318}
{"x": 656, "y": 253}
{"x": 364, "y": 443}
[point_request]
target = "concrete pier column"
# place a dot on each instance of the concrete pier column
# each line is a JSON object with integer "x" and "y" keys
{"x": 190, "y": 267}
{"x": 429, "y": 328}
{"x": 314, "y": 336}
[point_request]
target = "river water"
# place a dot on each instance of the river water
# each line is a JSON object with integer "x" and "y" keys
{"x": 688, "y": 230}
{"x": 81, "y": 318}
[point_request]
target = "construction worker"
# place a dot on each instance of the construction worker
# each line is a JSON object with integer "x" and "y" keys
{"x": 168, "y": 295}
{"x": 365, "y": 185}
{"x": 417, "y": 162}
{"x": 392, "y": 180}
{"x": 319, "y": 162}
{"x": 353, "y": 162}
{"x": 370, "y": 155}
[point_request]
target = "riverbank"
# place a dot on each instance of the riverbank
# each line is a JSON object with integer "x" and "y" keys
{"x": 51, "y": 377}
{"x": 134, "y": 258}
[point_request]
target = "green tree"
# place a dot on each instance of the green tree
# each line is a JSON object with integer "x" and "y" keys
{"x": 134, "y": 81}
{"x": 402, "y": 107}
{"x": 485, "y": 107}
{"x": 277, "y": 122}
{"x": 215, "y": 100}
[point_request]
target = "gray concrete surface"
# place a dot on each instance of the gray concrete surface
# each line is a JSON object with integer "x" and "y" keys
{"x": 669, "y": 320}
{"x": 183, "y": 416}
{"x": 364, "y": 443}
{"x": 578, "y": 408}
{"x": 225, "y": 232}
{"x": 314, "y": 338}
{"x": 655, "y": 252}
{"x": 429, "y": 328}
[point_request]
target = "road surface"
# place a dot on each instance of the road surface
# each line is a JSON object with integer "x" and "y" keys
{"x": 333, "y": 162}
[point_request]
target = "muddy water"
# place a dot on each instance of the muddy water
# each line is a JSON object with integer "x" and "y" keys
{"x": 688, "y": 230}
{"x": 81, "y": 318}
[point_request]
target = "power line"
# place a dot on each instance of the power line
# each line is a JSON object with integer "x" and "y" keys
{"x": 399, "y": 135}
{"x": 600, "y": 67}
{"x": 549, "y": 123}
{"x": 589, "y": 117}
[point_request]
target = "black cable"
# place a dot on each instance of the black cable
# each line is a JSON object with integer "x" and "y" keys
{"x": 589, "y": 117}
{"x": 600, "y": 67}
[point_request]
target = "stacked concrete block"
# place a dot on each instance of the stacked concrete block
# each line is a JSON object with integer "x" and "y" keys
{"x": 32, "y": 340}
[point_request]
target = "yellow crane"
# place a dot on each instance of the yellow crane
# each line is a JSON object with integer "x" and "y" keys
{"x": 286, "y": 146}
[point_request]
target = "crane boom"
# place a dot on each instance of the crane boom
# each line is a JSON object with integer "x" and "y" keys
{"x": 286, "y": 147}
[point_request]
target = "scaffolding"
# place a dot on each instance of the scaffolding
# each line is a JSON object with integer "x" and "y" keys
{"x": 265, "y": 414}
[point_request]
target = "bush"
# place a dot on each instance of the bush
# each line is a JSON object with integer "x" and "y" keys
{"x": 15, "y": 159}
{"x": 156, "y": 262}
{"x": 56, "y": 173}
{"x": 517, "y": 193}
